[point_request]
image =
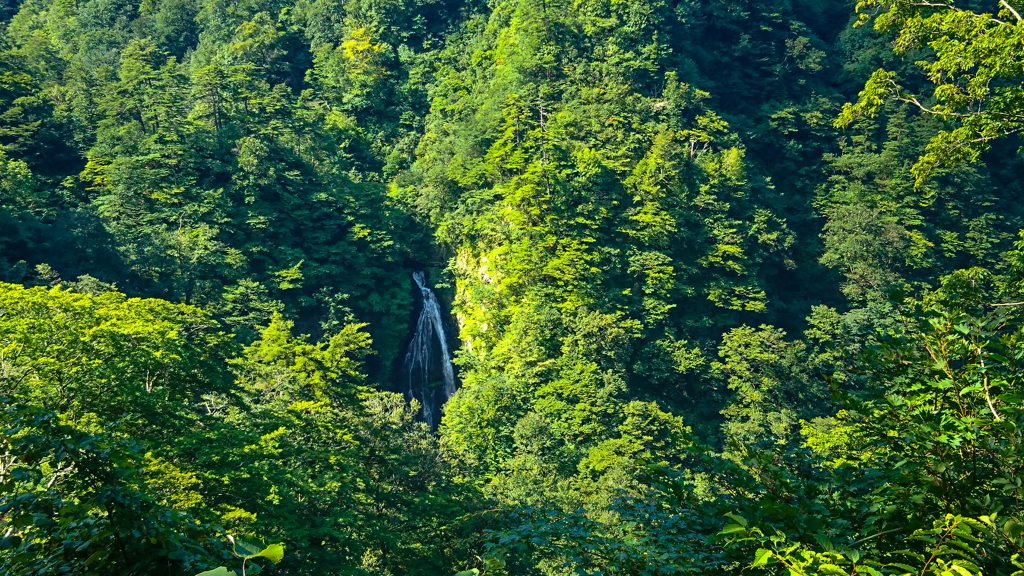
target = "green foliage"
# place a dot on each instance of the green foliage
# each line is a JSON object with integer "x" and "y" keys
{"x": 681, "y": 292}
{"x": 934, "y": 428}
{"x": 110, "y": 356}
{"x": 769, "y": 392}
{"x": 73, "y": 499}
{"x": 247, "y": 550}
{"x": 280, "y": 439}
{"x": 950, "y": 546}
{"x": 972, "y": 62}
{"x": 207, "y": 158}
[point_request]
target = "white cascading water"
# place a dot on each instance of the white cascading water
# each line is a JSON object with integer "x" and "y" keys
{"x": 417, "y": 359}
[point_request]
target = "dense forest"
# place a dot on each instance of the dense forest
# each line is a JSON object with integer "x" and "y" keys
{"x": 516, "y": 287}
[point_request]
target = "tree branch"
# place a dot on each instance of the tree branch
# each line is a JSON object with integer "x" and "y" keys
{"x": 876, "y": 535}
{"x": 912, "y": 100}
{"x": 931, "y": 4}
{"x": 988, "y": 395}
{"x": 1010, "y": 8}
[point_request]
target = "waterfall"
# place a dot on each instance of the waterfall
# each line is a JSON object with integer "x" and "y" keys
{"x": 418, "y": 358}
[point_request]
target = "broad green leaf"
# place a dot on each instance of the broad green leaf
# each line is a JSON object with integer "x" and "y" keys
{"x": 222, "y": 571}
{"x": 95, "y": 557}
{"x": 493, "y": 563}
{"x": 247, "y": 548}
{"x": 10, "y": 542}
{"x": 960, "y": 570}
{"x": 761, "y": 558}
{"x": 738, "y": 519}
{"x": 733, "y": 528}
{"x": 273, "y": 552}
{"x": 23, "y": 520}
{"x": 824, "y": 542}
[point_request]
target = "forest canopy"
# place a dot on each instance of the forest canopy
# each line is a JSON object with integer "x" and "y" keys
{"x": 519, "y": 287}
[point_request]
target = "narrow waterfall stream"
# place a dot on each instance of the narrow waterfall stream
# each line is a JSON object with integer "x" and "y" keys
{"x": 423, "y": 367}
